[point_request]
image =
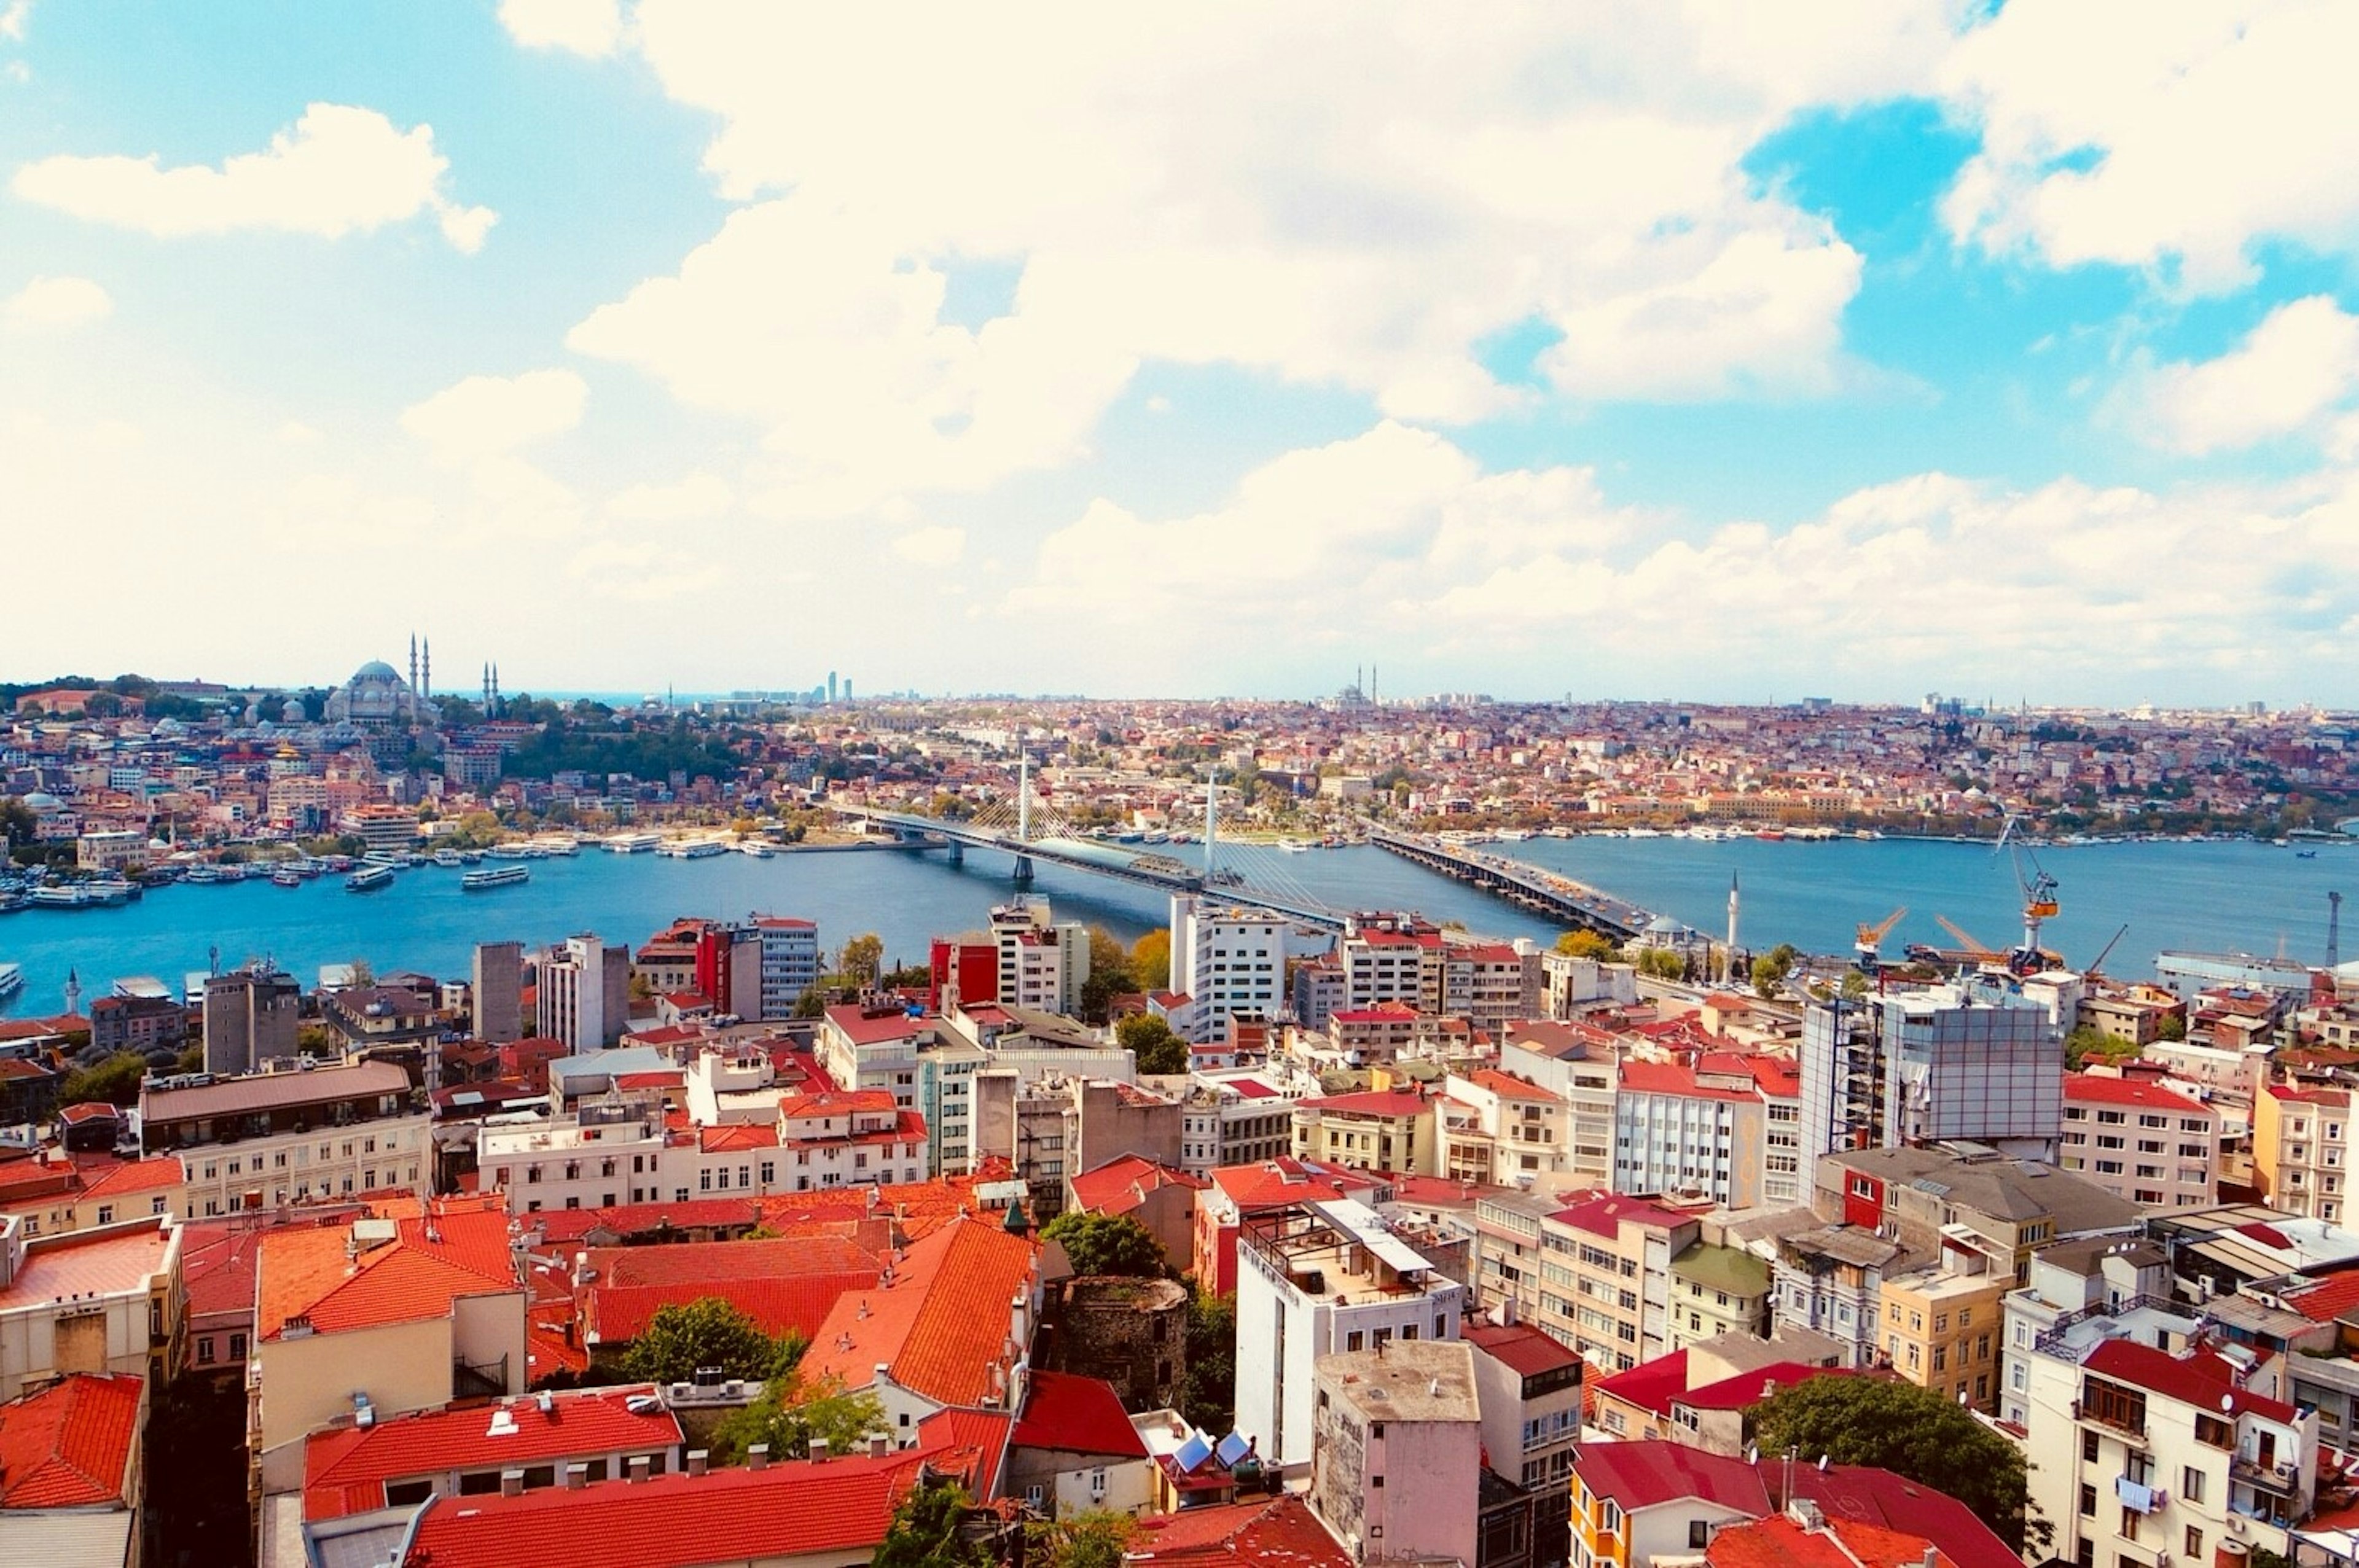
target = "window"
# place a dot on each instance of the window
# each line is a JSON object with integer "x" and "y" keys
{"x": 1698, "y": 1534}
{"x": 2088, "y": 1448}
{"x": 2088, "y": 1500}
{"x": 2194, "y": 1544}
{"x": 2190, "y": 1486}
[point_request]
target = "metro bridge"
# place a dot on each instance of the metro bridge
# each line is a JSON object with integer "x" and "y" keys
{"x": 1520, "y": 882}
{"x": 1147, "y": 867}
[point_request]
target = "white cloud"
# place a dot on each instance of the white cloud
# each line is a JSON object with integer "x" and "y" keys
{"x": 2175, "y": 137}
{"x": 934, "y": 546}
{"x": 2296, "y": 367}
{"x": 295, "y": 433}
{"x": 13, "y": 18}
{"x": 697, "y": 496}
{"x": 592, "y": 28}
{"x": 488, "y": 415}
{"x": 337, "y": 170}
{"x": 1580, "y": 168}
{"x": 1397, "y": 539}
{"x": 55, "y": 304}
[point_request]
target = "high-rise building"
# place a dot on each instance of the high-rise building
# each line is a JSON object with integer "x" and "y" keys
{"x": 250, "y": 1017}
{"x": 498, "y": 992}
{"x": 728, "y": 968}
{"x": 584, "y": 993}
{"x": 791, "y": 962}
{"x": 1977, "y": 1061}
{"x": 1229, "y": 960}
{"x": 1041, "y": 964}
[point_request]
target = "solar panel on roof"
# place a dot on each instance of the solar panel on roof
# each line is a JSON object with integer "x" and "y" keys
{"x": 1232, "y": 1448}
{"x": 1194, "y": 1452}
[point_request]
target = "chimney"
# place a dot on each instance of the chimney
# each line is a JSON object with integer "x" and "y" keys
{"x": 696, "y": 1461}
{"x": 879, "y": 1446}
{"x": 640, "y": 1467}
{"x": 757, "y": 1456}
{"x": 1932, "y": 1557}
{"x": 576, "y": 1477}
{"x": 817, "y": 1451}
{"x": 511, "y": 1483}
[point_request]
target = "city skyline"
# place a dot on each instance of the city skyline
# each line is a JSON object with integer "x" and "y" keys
{"x": 1855, "y": 351}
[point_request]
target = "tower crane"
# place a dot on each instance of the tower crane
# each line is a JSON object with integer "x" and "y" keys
{"x": 1871, "y": 941}
{"x": 1973, "y": 946}
{"x": 2039, "y": 903}
{"x": 2098, "y": 963}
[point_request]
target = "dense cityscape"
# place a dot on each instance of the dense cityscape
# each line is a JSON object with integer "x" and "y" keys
{"x": 1310, "y": 1223}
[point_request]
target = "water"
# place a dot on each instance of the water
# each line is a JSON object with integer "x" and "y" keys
{"x": 2214, "y": 896}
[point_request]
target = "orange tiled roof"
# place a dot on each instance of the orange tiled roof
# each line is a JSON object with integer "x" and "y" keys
{"x": 308, "y": 1274}
{"x": 68, "y": 1446}
{"x": 941, "y": 1327}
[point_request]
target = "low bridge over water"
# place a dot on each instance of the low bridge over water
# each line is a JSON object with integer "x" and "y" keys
{"x": 1543, "y": 891}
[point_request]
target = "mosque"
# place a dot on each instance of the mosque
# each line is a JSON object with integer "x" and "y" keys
{"x": 376, "y": 696}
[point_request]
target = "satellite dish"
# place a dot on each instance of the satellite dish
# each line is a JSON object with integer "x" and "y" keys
{"x": 1753, "y": 1454}
{"x": 2228, "y": 1403}
{"x": 1823, "y": 1464}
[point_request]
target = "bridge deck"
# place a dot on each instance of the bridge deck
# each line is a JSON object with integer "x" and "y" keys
{"x": 1531, "y": 886}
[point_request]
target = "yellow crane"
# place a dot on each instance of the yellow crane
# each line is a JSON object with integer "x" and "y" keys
{"x": 1871, "y": 940}
{"x": 1973, "y": 946}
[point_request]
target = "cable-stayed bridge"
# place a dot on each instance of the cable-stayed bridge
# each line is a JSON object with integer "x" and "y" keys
{"x": 1031, "y": 832}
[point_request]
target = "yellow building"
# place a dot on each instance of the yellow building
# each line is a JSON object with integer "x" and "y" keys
{"x": 1382, "y": 1130}
{"x": 1941, "y": 1329}
{"x": 2300, "y": 1137}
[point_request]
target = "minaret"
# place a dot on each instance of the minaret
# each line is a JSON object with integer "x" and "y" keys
{"x": 425, "y": 669}
{"x": 487, "y": 688}
{"x": 73, "y": 994}
{"x": 413, "y": 663}
{"x": 1729, "y": 975}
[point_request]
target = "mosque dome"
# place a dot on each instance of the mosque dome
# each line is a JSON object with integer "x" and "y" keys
{"x": 376, "y": 670}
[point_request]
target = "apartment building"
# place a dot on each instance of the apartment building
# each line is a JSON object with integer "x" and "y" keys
{"x": 1570, "y": 987}
{"x": 1229, "y": 960}
{"x": 1398, "y": 1451}
{"x": 1379, "y": 1130}
{"x": 2300, "y": 1136}
{"x": 496, "y": 991}
{"x": 1238, "y": 1193}
{"x": 789, "y": 960}
{"x": 1497, "y": 1130}
{"x": 1579, "y": 1064}
{"x": 1233, "y": 1119}
{"x": 1530, "y": 1387}
{"x": 271, "y": 1138}
{"x": 583, "y": 994}
{"x": 1313, "y": 1280}
{"x": 2152, "y": 1143}
{"x": 1943, "y": 1325}
{"x": 1490, "y": 984}
{"x": 1717, "y": 1290}
{"x": 1727, "y": 1129}
{"x": 109, "y": 1299}
{"x": 1611, "y": 1302}
{"x": 250, "y": 1017}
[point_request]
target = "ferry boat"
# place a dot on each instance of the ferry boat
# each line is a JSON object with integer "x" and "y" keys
{"x": 12, "y": 981}
{"x": 447, "y": 857}
{"x": 286, "y": 877}
{"x": 632, "y": 843}
{"x": 696, "y": 850}
{"x": 755, "y": 848}
{"x": 556, "y": 844}
{"x": 510, "y": 851}
{"x": 495, "y": 877}
{"x": 82, "y": 895}
{"x": 1294, "y": 846}
{"x": 369, "y": 878}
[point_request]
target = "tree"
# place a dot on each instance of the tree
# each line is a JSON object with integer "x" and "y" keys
{"x": 115, "y": 1080}
{"x": 1770, "y": 970}
{"x": 1586, "y": 945}
{"x": 790, "y": 1413}
{"x": 863, "y": 956}
{"x": 2089, "y": 1041}
{"x": 707, "y": 1332}
{"x": 1916, "y": 1433}
{"x": 1107, "y": 1244}
{"x": 19, "y": 824}
{"x": 1663, "y": 963}
{"x": 1208, "y": 1399}
{"x": 2172, "y": 1027}
{"x": 1854, "y": 985}
{"x": 1150, "y": 960}
{"x": 1096, "y": 1538}
{"x": 925, "y": 1532}
{"x": 1152, "y": 1044}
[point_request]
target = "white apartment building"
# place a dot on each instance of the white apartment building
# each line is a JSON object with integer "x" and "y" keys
{"x": 1726, "y": 1129}
{"x": 1229, "y": 960}
{"x": 1497, "y": 1130}
{"x": 1233, "y": 1119}
{"x": 1490, "y": 983}
{"x": 2150, "y": 1142}
{"x": 1382, "y": 965}
{"x": 791, "y": 962}
{"x": 2300, "y": 1136}
{"x": 1042, "y": 965}
{"x": 1313, "y": 1280}
{"x": 270, "y": 1138}
{"x": 583, "y": 994}
{"x": 1579, "y": 1063}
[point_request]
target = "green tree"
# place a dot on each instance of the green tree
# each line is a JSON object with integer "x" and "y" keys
{"x": 2172, "y": 1027}
{"x": 1663, "y": 963}
{"x": 1917, "y": 1433}
{"x": 1152, "y": 1043}
{"x": 1208, "y": 1399}
{"x": 1107, "y": 1244}
{"x": 790, "y": 1413}
{"x": 925, "y": 1532}
{"x": 1770, "y": 970}
{"x": 17, "y": 823}
{"x": 115, "y": 1080}
{"x": 1096, "y": 1538}
{"x": 707, "y": 1332}
{"x": 1854, "y": 985}
{"x": 863, "y": 957}
{"x": 2089, "y": 1043}
{"x": 1587, "y": 944}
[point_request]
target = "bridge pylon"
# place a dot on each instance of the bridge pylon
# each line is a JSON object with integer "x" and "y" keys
{"x": 1023, "y": 871}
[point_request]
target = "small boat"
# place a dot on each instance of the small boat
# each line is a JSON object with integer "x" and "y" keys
{"x": 495, "y": 877}
{"x": 286, "y": 877}
{"x": 12, "y": 981}
{"x": 2305, "y": 854}
{"x": 448, "y": 858}
{"x": 632, "y": 843}
{"x": 369, "y": 879}
{"x": 755, "y": 848}
{"x": 510, "y": 852}
{"x": 10, "y": 903}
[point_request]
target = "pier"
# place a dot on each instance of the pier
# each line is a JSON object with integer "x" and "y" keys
{"x": 1575, "y": 903}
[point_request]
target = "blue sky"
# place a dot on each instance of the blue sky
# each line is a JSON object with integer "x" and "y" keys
{"x": 1700, "y": 351}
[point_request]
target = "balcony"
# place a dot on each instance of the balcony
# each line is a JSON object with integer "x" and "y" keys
{"x": 2134, "y": 1436}
{"x": 2282, "y": 1478}
{"x": 2137, "y": 1496}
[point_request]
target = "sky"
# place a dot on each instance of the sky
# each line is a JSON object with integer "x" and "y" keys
{"x": 1688, "y": 349}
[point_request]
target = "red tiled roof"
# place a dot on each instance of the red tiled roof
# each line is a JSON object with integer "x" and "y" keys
{"x": 1869, "y": 1495}
{"x": 842, "y": 1508}
{"x": 1273, "y": 1183}
{"x": 1376, "y": 1102}
{"x": 1779, "y": 1542}
{"x": 1669, "y": 1078}
{"x": 941, "y": 1327}
{"x": 1602, "y": 1217}
{"x": 1521, "y": 1348}
{"x": 783, "y": 1283}
{"x": 1645, "y": 1473}
{"x": 865, "y": 1029}
{"x": 1119, "y": 1185}
{"x": 1751, "y": 1388}
{"x": 307, "y": 1273}
{"x": 2089, "y": 1087}
{"x": 1077, "y": 1415}
{"x": 2329, "y": 1299}
{"x": 1515, "y": 1088}
{"x": 1650, "y": 1385}
{"x": 645, "y": 1218}
{"x": 2202, "y": 1379}
{"x": 1261, "y": 1532}
{"x": 68, "y": 1446}
{"x": 345, "y": 1469}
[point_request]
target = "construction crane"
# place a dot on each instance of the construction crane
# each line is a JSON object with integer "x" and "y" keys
{"x": 1871, "y": 941}
{"x": 1973, "y": 946}
{"x": 2104, "y": 952}
{"x": 2039, "y": 903}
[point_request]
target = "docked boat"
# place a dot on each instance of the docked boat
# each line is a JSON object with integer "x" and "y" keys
{"x": 510, "y": 851}
{"x": 495, "y": 877}
{"x": 694, "y": 850}
{"x": 369, "y": 878}
{"x": 448, "y": 858}
{"x": 12, "y": 981}
{"x": 286, "y": 877}
{"x": 81, "y": 895}
{"x": 632, "y": 843}
{"x": 755, "y": 848}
